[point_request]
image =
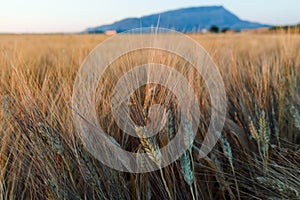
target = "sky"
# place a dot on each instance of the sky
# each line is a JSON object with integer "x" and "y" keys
{"x": 40, "y": 16}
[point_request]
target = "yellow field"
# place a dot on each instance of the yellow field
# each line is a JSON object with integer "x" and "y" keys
{"x": 257, "y": 157}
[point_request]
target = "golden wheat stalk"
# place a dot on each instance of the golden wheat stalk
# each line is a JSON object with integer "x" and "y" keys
{"x": 2, "y": 191}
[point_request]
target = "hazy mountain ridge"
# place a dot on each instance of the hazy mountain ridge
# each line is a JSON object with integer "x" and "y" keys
{"x": 191, "y": 19}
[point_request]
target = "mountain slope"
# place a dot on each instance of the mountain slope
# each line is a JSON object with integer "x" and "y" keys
{"x": 184, "y": 20}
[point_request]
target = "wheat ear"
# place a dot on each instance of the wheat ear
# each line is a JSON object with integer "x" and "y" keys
{"x": 187, "y": 171}
{"x": 264, "y": 138}
{"x": 57, "y": 146}
{"x": 253, "y": 130}
{"x": 296, "y": 116}
{"x": 149, "y": 147}
{"x": 188, "y": 134}
{"x": 228, "y": 153}
{"x": 152, "y": 150}
{"x": 187, "y": 165}
{"x": 280, "y": 186}
{"x": 171, "y": 124}
{"x": 5, "y": 107}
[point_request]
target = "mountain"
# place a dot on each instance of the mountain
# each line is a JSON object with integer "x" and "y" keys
{"x": 183, "y": 20}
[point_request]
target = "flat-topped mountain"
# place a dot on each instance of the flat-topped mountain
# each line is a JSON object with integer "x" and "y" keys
{"x": 184, "y": 20}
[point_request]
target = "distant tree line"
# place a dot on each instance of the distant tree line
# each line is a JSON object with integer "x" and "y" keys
{"x": 294, "y": 28}
{"x": 216, "y": 29}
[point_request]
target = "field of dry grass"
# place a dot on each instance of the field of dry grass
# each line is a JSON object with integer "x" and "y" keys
{"x": 257, "y": 156}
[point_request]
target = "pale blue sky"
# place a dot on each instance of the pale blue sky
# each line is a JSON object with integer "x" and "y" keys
{"x": 77, "y": 15}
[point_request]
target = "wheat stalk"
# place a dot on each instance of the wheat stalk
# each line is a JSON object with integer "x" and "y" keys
{"x": 2, "y": 191}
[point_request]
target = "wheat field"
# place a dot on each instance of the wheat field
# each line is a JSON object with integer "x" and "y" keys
{"x": 257, "y": 157}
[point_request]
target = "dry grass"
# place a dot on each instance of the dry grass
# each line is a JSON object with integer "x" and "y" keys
{"x": 257, "y": 157}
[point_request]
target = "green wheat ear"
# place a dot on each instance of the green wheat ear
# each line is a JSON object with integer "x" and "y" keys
{"x": 279, "y": 186}
{"x": 264, "y": 138}
{"x": 187, "y": 166}
{"x": 188, "y": 134}
{"x": 296, "y": 116}
{"x": 227, "y": 149}
{"x": 228, "y": 153}
{"x": 187, "y": 170}
{"x": 171, "y": 124}
{"x": 53, "y": 139}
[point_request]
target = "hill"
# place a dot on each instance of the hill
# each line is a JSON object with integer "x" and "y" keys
{"x": 184, "y": 20}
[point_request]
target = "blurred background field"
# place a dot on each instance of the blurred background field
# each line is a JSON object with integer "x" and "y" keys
{"x": 257, "y": 157}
